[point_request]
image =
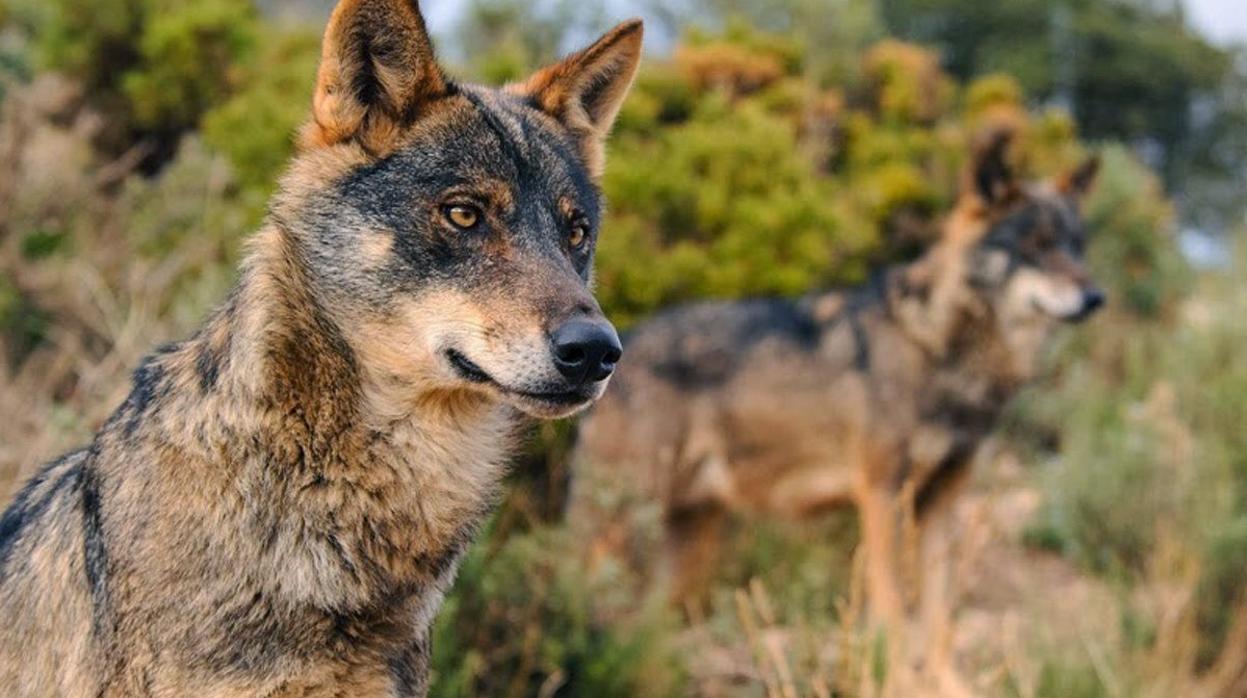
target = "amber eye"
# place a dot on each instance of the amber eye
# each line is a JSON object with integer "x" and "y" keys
{"x": 578, "y": 234}
{"x": 462, "y": 216}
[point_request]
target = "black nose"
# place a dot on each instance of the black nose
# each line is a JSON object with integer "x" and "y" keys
{"x": 1092, "y": 299}
{"x": 586, "y": 351}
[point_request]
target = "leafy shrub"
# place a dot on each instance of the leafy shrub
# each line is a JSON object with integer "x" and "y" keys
{"x": 524, "y": 620}
{"x": 1149, "y": 412}
{"x": 906, "y": 82}
{"x": 154, "y": 67}
{"x": 256, "y": 126}
{"x": 734, "y": 209}
{"x": 1132, "y": 221}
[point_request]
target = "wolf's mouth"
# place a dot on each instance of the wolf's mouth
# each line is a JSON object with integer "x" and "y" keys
{"x": 1072, "y": 318}
{"x": 466, "y": 369}
{"x": 469, "y": 371}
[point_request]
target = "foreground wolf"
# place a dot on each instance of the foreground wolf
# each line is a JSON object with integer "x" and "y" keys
{"x": 281, "y": 502}
{"x": 874, "y": 397}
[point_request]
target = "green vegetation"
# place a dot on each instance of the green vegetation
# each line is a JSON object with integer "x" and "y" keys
{"x": 526, "y": 621}
{"x": 1129, "y": 69}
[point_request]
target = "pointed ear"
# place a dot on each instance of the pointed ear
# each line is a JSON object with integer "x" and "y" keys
{"x": 585, "y": 90}
{"x": 1078, "y": 183}
{"x": 377, "y": 72}
{"x": 990, "y": 177}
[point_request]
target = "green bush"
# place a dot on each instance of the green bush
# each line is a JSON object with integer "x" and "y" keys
{"x": 524, "y": 619}
{"x": 735, "y": 208}
{"x": 154, "y": 67}
{"x": 1150, "y": 416}
{"x": 256, "y": 126}
{"x": 185, "y": 62}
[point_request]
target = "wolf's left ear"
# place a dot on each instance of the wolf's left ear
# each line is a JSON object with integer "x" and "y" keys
{"x": 1078, "y": 182}
{"x": 990, "y": 176}
{"x": 377, "y": 72}
{"x": 585, "y": 90}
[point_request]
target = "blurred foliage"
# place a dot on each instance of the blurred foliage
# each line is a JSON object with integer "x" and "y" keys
{"x": 256, "y": 126}
{"x": 1131, "y": 70}
{"x": 908, "y": 84}
{"x": 1152, "y": 450}
{"x": 831, "y": 33}
{"x": 152, "y": 67}
{"x": 1133, "y": 226}
{"x": 500, "y": 40}
{"x": 525, "y": 621}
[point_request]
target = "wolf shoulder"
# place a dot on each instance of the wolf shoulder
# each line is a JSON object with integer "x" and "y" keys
{"x": 45, "y": 598}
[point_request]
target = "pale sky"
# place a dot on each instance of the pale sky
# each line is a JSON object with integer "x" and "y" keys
{"x": 1222, "y": 20}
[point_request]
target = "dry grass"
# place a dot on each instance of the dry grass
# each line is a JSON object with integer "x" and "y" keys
{"x": 106, "y": 294}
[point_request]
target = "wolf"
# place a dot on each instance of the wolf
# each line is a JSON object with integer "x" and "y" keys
{"x": 281, "y": 502}
{"x": 874, "y": 397}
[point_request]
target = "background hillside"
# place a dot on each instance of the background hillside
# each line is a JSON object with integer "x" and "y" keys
{"x": 769, "y": 147}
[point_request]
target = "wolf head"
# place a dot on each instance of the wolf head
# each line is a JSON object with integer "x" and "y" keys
{"x": 1028, "y": 259}
{"x": 1011, "y": 255}
{"x": 449, "y": 229}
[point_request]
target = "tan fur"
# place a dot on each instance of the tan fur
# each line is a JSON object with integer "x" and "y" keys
{"x": 403, "y": 63}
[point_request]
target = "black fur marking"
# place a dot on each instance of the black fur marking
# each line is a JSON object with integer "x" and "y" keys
{"x": 705, "y": 344}
{"x": 438, "y": 565}
{"x": 1028, "y": 234}
{"x": 149, "y": 387}
{"x": 554, "y": 150}
{"x": 343, "y": 558}
{"x": 1008, "y": 233}
{"x": 494, "y": 139}
{"x": 724, "y": 334}
{"x": 94, "y": 549}
{"x": 950, "y": 466}
{"x": 563, "y": 151}
{"x": 252, "y": 621}
{"x": 410, "y": 670}
{"x": 208, "y": 365}
{"x": 27, "y": 508}
{"x": 873, "y": 294}
{"x": 861, "y": 343}
{"x": 993, "y": 174}
{"x": 365, "y": 87}
{"x": 509, "y": 147}
{"x": 379, "y": 623}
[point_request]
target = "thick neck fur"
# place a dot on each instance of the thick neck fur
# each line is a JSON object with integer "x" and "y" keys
{"x": 966, "y": 356}
{"x": 358, "y": 501}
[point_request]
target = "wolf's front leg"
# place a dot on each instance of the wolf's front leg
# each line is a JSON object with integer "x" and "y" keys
{"x": 694, "y": 539}
{"x": 932, "y": 628}
{"x": 879, "y": 509}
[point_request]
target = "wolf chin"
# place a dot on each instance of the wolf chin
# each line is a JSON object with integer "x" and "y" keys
{"x": 281, "y": 502}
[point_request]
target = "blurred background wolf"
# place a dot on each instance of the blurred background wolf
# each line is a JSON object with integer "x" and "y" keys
{"x": 771, "y": 149}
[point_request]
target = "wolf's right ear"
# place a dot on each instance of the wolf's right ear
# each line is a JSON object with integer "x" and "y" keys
{"x": 990, "y": 177}
{"x": 1078, "y": 183}
{"x": 377, "y": 71}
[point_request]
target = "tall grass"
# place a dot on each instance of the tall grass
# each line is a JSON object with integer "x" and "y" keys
{"x": 1149, "y": 489}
